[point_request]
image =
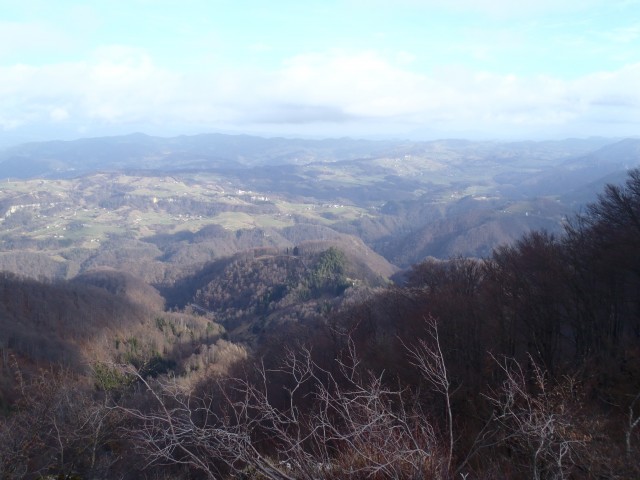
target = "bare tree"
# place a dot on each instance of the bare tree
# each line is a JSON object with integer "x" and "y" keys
{"x": 429, "y": 359}
{"x": 189, "y": 430}
{"x": 57, "y": 428}
{"x": 376, "y": 431}
{"x": 632, "y": 424}
{"x": 537, "y": 420}
{"x": 355, "y": 427}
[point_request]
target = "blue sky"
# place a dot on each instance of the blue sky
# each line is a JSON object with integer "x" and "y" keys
{"x": 491, "y": 69}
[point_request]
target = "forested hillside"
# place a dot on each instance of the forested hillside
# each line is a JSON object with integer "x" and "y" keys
{"x": 160, "y": 208}
{"x": 524, "y": 364}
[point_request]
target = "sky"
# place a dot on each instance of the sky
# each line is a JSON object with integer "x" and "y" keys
{"x": 420, "y": 69}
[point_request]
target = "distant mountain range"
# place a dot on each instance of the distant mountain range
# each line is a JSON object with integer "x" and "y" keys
{"x": 219, "y": 151}
{"x": 143, "y": 152}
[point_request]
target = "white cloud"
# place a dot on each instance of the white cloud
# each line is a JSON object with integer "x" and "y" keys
{"x": 30, "y": 36}
{"x": 59, "y": 114}
{"x": 363, "y": 85}
{"x": 121, "y": 85}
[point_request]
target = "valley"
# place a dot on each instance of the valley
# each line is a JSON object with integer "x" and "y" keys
{"x": 405, "y": 201}
{"x": 231, "y": 287}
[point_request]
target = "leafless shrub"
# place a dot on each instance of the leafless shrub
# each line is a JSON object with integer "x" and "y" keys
{"x": 428, "y": 357}
{"x": 633, "y": 421}
{"x": 537, "y": 421}
{"x": 377, "y": 432}
{"x": 352, "y": 426}
{"x": 56, "y": 428}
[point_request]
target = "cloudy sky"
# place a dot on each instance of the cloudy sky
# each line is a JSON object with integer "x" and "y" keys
{"x": 492, "y": 69}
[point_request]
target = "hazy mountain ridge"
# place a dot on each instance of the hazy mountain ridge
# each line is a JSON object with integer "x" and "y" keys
{"x": 585, "y": 169}
{"x": 143, "y": 152}
{"x": 140, "y": 151}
